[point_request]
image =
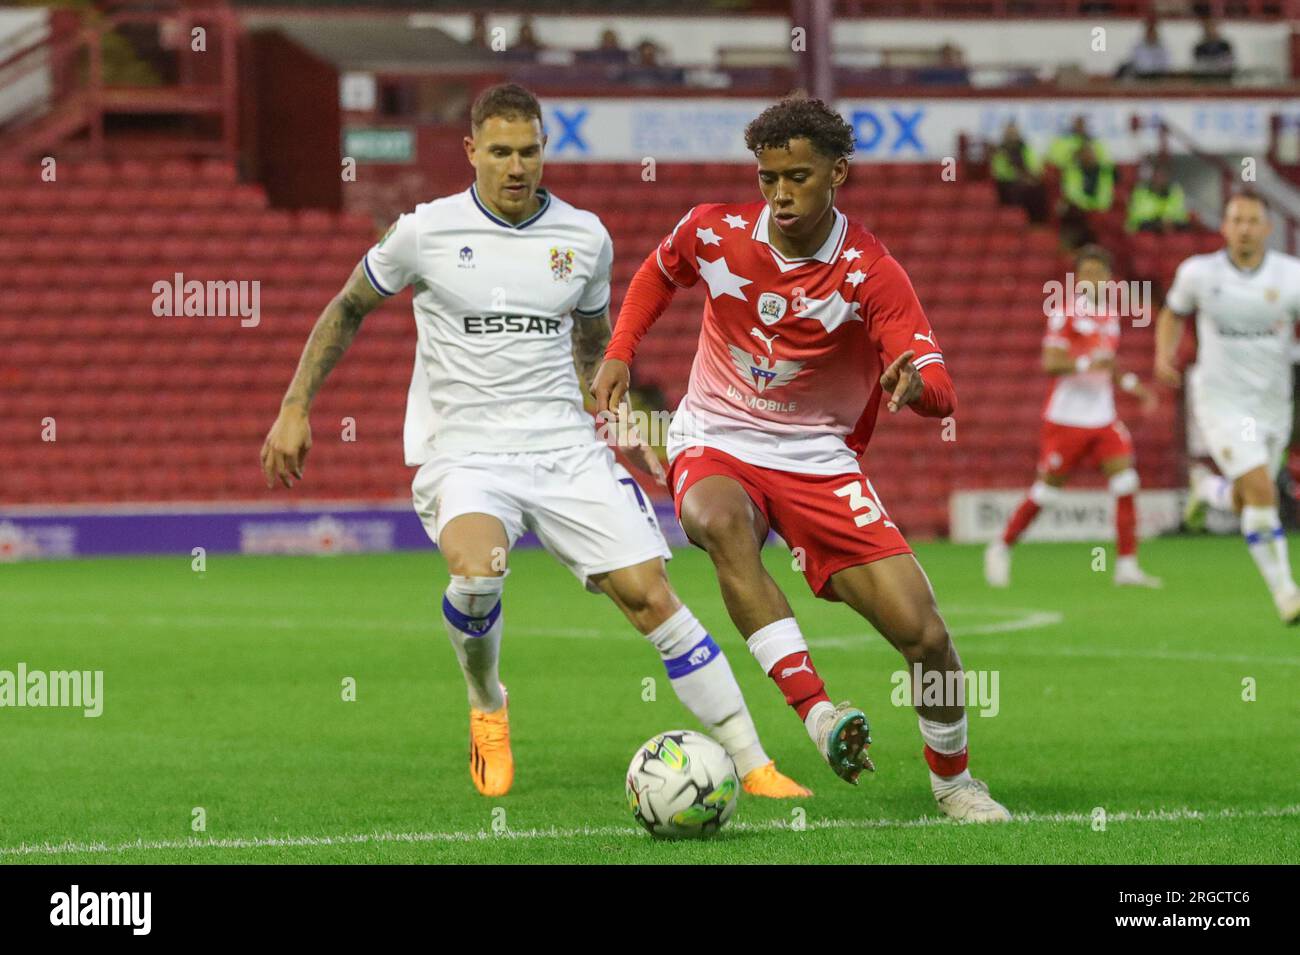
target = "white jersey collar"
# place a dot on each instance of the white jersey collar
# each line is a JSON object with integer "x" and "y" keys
{"x": 1247, "y": 273}
{"x": 829, "y": 251}
{"x": 542, "y": 194}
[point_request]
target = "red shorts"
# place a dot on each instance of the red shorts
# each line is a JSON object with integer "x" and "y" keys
{"x": 833, "y": 520}
{"x": 1063, "y": 448}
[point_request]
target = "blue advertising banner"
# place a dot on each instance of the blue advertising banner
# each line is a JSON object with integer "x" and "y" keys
{"x": 898, "y": 130}
{"x": 49, "y": 533}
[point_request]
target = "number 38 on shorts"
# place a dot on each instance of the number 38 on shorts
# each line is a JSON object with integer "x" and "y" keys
{"x": 836, "y": 520}
{"x": 863, "y": 503}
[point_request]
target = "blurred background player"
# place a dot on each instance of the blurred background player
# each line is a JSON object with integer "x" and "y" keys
{"x": 808, "y": 321}
{"x": 512, "y": 285}
{"x": 1079, "y": 421}
{"x": 1246, "y": 299}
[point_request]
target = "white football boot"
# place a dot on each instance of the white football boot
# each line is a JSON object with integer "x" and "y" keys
{"x": 1288, "y": 606}
{"x": 997, "y": 563}
{"x": 969, "y": 801}
{"x": 842, "y": 736}
{"x": 1129, "y": 574}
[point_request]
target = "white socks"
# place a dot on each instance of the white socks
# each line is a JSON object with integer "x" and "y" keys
{"x": 471, "y": 611}
{"x": 1262, "y": 529}
{"x": 702, "y": 679}
{"x": 776, "y": 641}
{"x": 1042, "y": 494}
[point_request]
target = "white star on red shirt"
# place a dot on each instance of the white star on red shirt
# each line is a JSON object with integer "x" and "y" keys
{"x": 851, "y": 254}
{"x": 855, "y": 277}
{"x": 721, "y": 280}
{"x": 708, "y": 237}
{"x": 736, "y": 222}
{"x": 832, "y": 311}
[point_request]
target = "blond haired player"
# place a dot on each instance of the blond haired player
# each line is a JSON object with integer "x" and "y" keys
{"x": 511, "y": 284}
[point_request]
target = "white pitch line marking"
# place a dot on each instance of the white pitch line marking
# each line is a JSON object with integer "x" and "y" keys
{"x": 1020, "y": 619}
{"x": 775, "y": 825}
{"x": 866, "y": 640}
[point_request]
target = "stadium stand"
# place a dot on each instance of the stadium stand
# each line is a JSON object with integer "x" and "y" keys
{"x": 174, "y": 409}
{"x": 149, "y": 408}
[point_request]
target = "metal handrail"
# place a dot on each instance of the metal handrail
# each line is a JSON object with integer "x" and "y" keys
{"x": 89, "y": 88}
{"x": 1227, "y": 172}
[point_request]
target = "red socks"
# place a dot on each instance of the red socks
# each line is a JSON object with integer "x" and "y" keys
{"x": 950, "y": 764}
{"x": 1021, "y": 519}
{"x": 1125, "y": 526}
{"x": 797, "y": 679}
{"x": 1125, "y": 523}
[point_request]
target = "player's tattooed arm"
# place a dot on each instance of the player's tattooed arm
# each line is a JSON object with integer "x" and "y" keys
{"x": 330, "y": 338}
{"x": 284, "y": 451}
{"x": 590, "y": 336}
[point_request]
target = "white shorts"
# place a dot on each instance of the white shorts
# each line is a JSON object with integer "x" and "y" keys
{"x": 583, "y": 505}
{"x": 1240, "y": 441}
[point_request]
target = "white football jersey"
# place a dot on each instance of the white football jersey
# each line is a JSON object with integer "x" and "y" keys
{"x": 493, "y": 313}
{"x": 1244, "y": 327}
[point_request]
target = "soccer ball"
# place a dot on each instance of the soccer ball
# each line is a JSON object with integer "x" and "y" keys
{"x": 682, "y": 785}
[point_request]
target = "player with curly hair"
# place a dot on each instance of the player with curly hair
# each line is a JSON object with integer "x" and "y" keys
{"x": 809, "y": 324}
{"x": 495, "y": 423}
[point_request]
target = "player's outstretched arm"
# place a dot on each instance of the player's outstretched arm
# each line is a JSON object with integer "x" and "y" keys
{"x": 590, "y": 337}
{"x": 1169, "y": 330}
{"x": 1130, "y": 383}
{"x": 648, "y": 296}
{"x": 610, "y": 384}
{"x": 285, "y": 450}
{"x": 1058, "y": 361}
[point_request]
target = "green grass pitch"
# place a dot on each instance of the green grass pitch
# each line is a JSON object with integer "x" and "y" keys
{"x": 223, "y": 690}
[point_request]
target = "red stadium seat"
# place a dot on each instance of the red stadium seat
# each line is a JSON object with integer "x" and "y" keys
{"x": 171, "y": 408}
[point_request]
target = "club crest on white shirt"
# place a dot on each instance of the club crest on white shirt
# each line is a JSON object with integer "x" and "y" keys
{"x": 561, "y": 264}
{"x": 771, "y": 308}
{"x": 763, "y": 372}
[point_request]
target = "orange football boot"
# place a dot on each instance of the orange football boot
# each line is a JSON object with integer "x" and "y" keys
{"x": 491, "y": 764}
{"x": 769, "y": 782}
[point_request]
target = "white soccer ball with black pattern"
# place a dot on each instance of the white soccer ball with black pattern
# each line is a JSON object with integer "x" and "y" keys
{"x": 682, "y": 785}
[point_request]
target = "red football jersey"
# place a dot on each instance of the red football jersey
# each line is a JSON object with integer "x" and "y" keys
{"x": 1082, "y": 399}
{"x": 787, "y": 374}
